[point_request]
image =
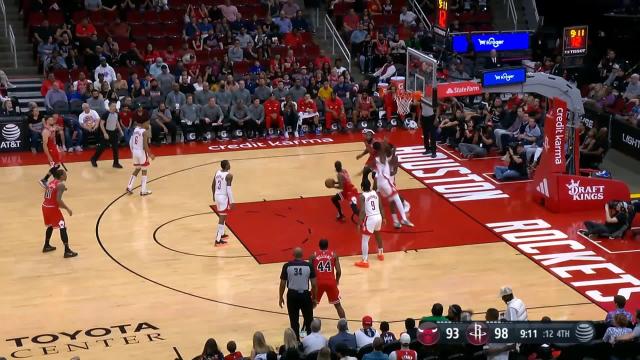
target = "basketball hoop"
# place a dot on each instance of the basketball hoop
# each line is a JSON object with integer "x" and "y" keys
{"x": 403, "y": 100}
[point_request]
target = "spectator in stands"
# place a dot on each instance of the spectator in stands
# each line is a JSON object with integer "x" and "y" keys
{"x": 189, "y": 114}
{"x": 516, "y": 310}
{"x": 162, "y": 123}
{"x": 233, "y": 353}
{"x": 315, "y": 340}
{"x": 404, "y": 353}
{"x": 605, "y": 66}
{"x": 45, "y": 49}
{"x": 367, "y": 333}
{"x": 175, "y": 100}
{"x": 82, "y": 86}
{"x": 230, "y": 12}
{"x": 283, "y": 23}
{"x": 481, "y": 137}
{"x": 407, "y": 18}
{"x": 342, "y": 337}
{"x": 125, "y": 117}
{"x": 42, "y": 32}
{"x": 617, "y": 329}
{"x": 319, "y": 62}
{"x": 210, "y": 351}
{"x": 35, "y": 121}
{"x": 106, "y": 70}
{"x": 387, "y": 71}
{"x": 290, "y": 8}
{"x": 96, "y": 102}
{"x": 299, "y": 22}
{"x": 85, "y": 29}
{"x": 505, "y": 136}
{"x": 262, "y": 92}
{"x": 454, "y": 312}
{"x": 386, "y": 335}
{"x": 48, "y": 83}
{"x": 235, "y": 52}
{"x": 591, "y": 157}
{"x": 517, "y": 164}
{"x": 155, "y": 69}
{"x": 410, "y": 328}
{"x": 436, "y": 314}
{"x": 620, "y": 302}
{"x": 633, "y": 87}
{"x": 334, "y": 111}
{"x": 256, "y": 117}
{"x": 118, "y": 29}
{"x": 290, "y": 343}
{"x": 55, "y": 96}
{"x": 244, "y": 38}
{"x": 342, "y": 352}
{"x": 293, "y": 39}
{"x": 376, "y": 354}
{"x": 635, "y": 334}
{"x": 357, "y": 39}
{"x": 260, "y": 348}
{"x": 239, "y": 116}
{"x": 492, "y": 62}
{"x": 89, "y": 121}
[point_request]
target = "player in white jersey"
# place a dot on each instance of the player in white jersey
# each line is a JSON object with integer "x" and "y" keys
{"x": 394, "y": 165}
{"x": 223, "y": 197}
{"x": 371, "y": 219}
{"x": 386, "y": 187}
{"x": 139, "y": 145}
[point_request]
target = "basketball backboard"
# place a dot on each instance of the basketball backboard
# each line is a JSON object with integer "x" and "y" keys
{"x": 421, "y": 74}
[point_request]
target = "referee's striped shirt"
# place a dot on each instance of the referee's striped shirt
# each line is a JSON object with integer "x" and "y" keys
{"x": 297, "y": 274}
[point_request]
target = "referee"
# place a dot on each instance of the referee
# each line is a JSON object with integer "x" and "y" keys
{"x": 296, "y": 275}
{"x": 429, "y": 126}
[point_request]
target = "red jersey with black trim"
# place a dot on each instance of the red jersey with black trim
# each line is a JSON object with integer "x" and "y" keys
{"x": 271, "y": 107}
{"x": 51, "y": 194}
{"x": 324, "y": 262}
{"x": 52, "y": 146}
{"x": 334, "y": 104}
{"x": 371, "y": 161}
{"x": 307, "y": 106}
{"x": 406, "y": 354}
{"x": 347, "y": 185}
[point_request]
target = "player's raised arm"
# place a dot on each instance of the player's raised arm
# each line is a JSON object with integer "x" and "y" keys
{"x": 61, "y": 188}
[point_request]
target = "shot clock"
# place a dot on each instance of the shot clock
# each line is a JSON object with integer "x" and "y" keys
{"x": 575, "y": 40}
{"x": 525, "y": 332}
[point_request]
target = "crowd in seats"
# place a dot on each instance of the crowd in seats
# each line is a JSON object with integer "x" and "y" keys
{"x": 615, "y": 337}
{"x": 206, "y": 70}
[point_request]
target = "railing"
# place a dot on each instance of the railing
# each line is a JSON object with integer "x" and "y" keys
{"x": 336, "y": 39}
{"x": 512, "y": 13}
{"x": 4, "y": 17}
{"x": 12, "y": 42}
{"x": 418, "y": 11}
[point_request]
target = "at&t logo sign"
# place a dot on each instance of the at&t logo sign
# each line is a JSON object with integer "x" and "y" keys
{"x": 577, "y": 192}
{"x": 10, "y": 137}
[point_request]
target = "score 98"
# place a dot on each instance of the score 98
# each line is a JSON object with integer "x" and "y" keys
{"x": 501, "y": 333}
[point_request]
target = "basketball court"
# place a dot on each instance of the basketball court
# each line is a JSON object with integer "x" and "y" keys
{"x": 148, "y": 282}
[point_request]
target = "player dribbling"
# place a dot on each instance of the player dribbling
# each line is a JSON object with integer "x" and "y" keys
{"x": 223, "y": 197}
{"x": 52, "y": 215}
{"x": 50, "y": 149}
{"x": 349, "y": 192}
{"x": 371, "y": 219}
{"x": 327, "y": 267}
{"x": 139, "y": 145}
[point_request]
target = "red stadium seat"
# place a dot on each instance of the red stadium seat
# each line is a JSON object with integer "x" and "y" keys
{"x": 139, "y": 32}
{"x": 134, "y": 17}
{"x": 175, "y": 42}
{"x": 173, "y": 30}
{"x": 307, "y": 37}
{"x": 241, "y": 67}
{"x": 75, "y": 72}
{"x": 79, "y": 15}
{"x": 159, "y": 43}
{"x": 151, "y": 17}
{"x": 154, "y": 31}
{"x": 56, "y": 18}
{"x": 217, "y": 54}
{"x": 61, "y": 74}
{"x": 168, "y": 17}
{"x": 35, "y": 19}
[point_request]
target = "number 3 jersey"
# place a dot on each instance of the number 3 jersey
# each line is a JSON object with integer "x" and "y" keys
{"x": 324, "y": 261}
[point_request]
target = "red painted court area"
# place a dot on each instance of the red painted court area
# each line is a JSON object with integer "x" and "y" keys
{"x": 271, "y": 229}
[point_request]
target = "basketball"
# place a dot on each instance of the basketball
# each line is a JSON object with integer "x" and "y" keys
{"x": 330, "y": 183}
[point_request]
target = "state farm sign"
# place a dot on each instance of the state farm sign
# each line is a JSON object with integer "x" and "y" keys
{"x": 463, "y": 88}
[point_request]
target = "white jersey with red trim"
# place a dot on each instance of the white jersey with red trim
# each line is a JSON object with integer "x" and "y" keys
{"x": 221, "y": 183}
{"x": 371, "y": 203}
{"x": 136, "y": 143}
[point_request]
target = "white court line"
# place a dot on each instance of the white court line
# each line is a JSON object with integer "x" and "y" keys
{"x": 492, "y": 179}
{"x": 597, "y": 243}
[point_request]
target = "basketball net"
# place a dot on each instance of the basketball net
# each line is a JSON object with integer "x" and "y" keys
{"x": 403, "y": 100}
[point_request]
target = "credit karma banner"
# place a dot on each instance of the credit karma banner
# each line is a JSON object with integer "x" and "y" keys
{"x": 504, "y": 76}
{"x": 500, "y": 42}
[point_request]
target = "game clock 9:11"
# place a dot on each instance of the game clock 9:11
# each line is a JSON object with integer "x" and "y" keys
{"x": 575, "y": 40}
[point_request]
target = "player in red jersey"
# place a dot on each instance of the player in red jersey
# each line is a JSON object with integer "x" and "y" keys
{"x": 50, "y": 148}
{"x": 51, "y": 213}
{"x": 370, "y": 165}
{"x": 327, "y": 267}
{"x": 349, "y": 192}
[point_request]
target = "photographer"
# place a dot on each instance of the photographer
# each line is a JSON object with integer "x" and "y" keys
{"x": 517, "y": 167}
{"x": 616, "y": 218}
{"x": 481, "y": 140}
{"x": 452, "y": 128}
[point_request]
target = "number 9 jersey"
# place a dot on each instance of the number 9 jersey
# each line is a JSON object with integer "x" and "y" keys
{"x": 324, "y": 262}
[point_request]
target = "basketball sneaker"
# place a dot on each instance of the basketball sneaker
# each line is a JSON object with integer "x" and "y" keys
{"x": 362, "y": 264}
{"x": 340, "y": 217}
{"x": 129, "y": 191}
{"x": 148, "y": 192}
{"x": 48, "y": 248}
{"x": 407, "y": 206}
{"x": 286, "y": 135}
{"x": 318, "y": 131}
{"x": 397, "y": 225}
{"x": 407, "y": 223}
{"x": 380, "y": 257}
{"x": 220, "y": 243}
{"x": 70, "y": 253}
{"x": 224, "y": 236}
